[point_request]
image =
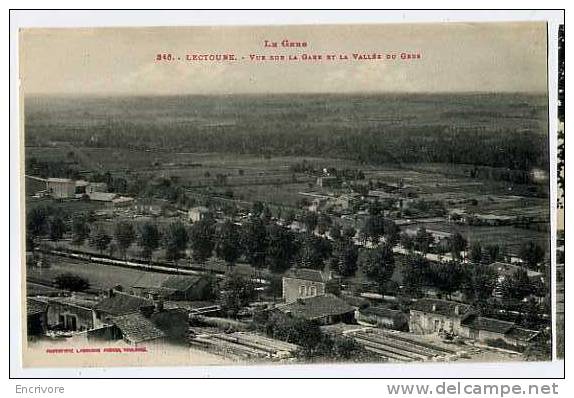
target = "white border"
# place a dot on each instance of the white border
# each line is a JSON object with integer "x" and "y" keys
{"x": 21, "y": 19}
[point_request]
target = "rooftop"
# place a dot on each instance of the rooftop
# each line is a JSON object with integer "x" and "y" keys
{"x": 487, "y": 324}
{"x": 441, "y": 307}
{"x": 380, "y": 311}
{"x": 34, "y": 307}
{"x": 121, "y": 303}
{"x": 102, "y": 196}
{"x": 307, "y": 274}
{"x": 136, "y": 328}
{"x": 316, "y": 307}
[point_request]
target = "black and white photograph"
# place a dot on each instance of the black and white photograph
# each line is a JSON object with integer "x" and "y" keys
{"x": 287, "y": 195}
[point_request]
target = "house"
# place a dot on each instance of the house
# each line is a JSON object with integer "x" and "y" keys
{"x": 150, "y": 206}
{"x": 122, "y": 201}
{"x": 198, "y": 213}
{"x": 96, "y": 187}
{"x": 326, "y": 309}
{"x": 36, "y": 316}
{"x": 81, "y": 187}
{"x": 102, "y": 196}
{"x": 484, "y": 329}
{"x": 380, "y": 316}
{"x": 174, "y": 288}
{"x": 71, "y": 313}
{"x": 328, "y": 182}
{"x": 135, "y": 328}
{"x": 434, "y": 315}
{"x": 303, "y": 283}
{"x": 507, "y": 270}
{"x": 119, "y": 303}
{"x": 112, "y": 200}
{"x": 61, "y": 188}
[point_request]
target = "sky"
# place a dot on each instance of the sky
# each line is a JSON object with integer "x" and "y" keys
{"x": 454, "y": 57}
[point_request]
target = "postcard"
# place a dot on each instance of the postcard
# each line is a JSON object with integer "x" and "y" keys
{"x": 298, "y": 194}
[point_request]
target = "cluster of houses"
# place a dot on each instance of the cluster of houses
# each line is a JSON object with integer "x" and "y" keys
{"x": 155, "y": 311}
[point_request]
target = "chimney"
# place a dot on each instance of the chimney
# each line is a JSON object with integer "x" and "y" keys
{"x": 433, "y": 307}
{"x": 457, "y": 310}
{"x": 111, "y": 293}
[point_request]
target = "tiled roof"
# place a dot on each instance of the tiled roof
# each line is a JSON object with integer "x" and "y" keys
{"x": 136, "y": 328}
{"x": 102, "y": 196}
{"x": 180, "y": 283}
{"x": 487, "y": 324}
{"x": 34, "y": 307}
{"x": 121, "y": 304}
{"x": 380, "y": 311}
{"x": 441, "y": 307}
{"x": 306, "y": 274}
{"x": 522, "y": 334}
{"x": 316, "y": 307}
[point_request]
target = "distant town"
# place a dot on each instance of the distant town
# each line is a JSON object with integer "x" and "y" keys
{"x": 285, "y": 258}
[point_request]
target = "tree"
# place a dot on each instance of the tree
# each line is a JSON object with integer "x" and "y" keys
{"x": 280, "y": 248}
{"x": 175, "y": 241}
{"x": 532, "y": 254}
{"x": 475, "y": 253}
{"x": 149, "y": 239}
{"x": 345, "y": 256}
{"x": 335, "y": 232}
{"x": 202, "y": 239}
{"x": 253, "y": 240}
{"x": 124, "y": 235}
{"x": 407, "y": 241}
{"x": 37, "y": 221}
{"x": 80, "y": 230}
{"x": 100, "y": 240}
{"x": 423, "y": 240}
{"x": 310, "y": 220}
{"x": 349, "y": 232}
{"x": 313, "y": 251}
{"x": 415, "y": 274}
{"x": 517, "y": 286}
{"x": 493, "y": 252}
{"x": 71, "y": 282}
{"x": 236, "y": 293}
{"x": 56, "y": 228}
{"x": 446, "y": 277}
{"x": 227, "y": 245}
{"x": 457, "y": 244}
{"x": 378, "y": 264}
{"x": 480, "y": 283}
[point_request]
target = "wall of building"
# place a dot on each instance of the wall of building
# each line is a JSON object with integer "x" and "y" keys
{"x": 61, "y": 190}
{"x": 294, "y": 289}
{"x": 426, "y": 323}
{"x": 85, "y": 317}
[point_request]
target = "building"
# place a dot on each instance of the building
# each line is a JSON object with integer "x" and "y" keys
{"x": 380, "y": 316}
{"x": 150, "y": 206}
{"x": 118, "y": 303}
{"x": 122, "y": 201}
{"x": 96, "y": 187}
{"x": 135, "y": 328}
{"x": 328, "y": 182}
{"x": 107, "y": 197}
{"x": 71, "y": 313}
{"x": 507, "y": 270}
{"x": 433, "y": 315}
{"x": 198, "y": 213}
{"x": 81, "y": 187}
{"x": 326, "y": 309}
{"x": 61, "y": 188}
{"x": 484, "y": 329}
{"x": 36, "y": 317}
{"x": 174, "y": 288}
{"x": 303, "y": 283}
